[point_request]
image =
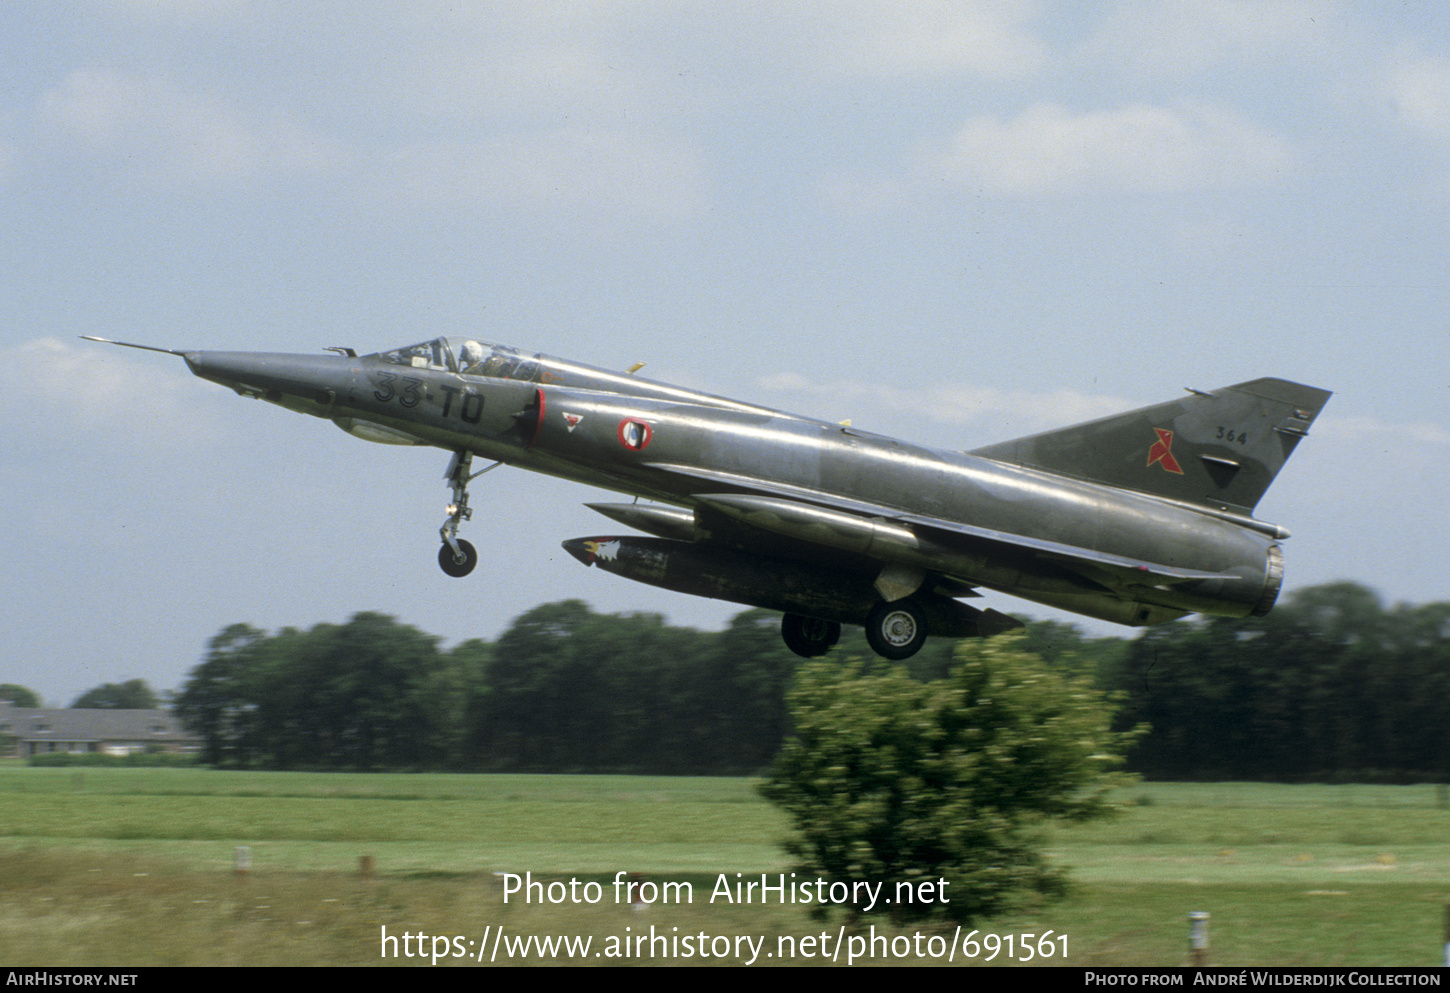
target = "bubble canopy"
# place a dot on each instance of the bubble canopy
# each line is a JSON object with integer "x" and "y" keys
{"x": 469, "y": 358}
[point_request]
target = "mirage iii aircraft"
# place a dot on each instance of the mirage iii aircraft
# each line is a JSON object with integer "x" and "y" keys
{"x": 1137, "y": 518}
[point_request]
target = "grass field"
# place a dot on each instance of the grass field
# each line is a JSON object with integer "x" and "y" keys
{"x": 136, "y": 867}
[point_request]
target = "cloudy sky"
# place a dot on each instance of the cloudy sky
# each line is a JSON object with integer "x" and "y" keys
{"x": 955, "y": 222}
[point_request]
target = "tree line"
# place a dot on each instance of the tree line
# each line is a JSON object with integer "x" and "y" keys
{"x": 563, "y": 689}
{"x": 133, "y": 694}
{"x": 1331, "y": 685}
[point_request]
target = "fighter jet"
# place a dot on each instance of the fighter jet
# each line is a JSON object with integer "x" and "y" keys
{"x": 1137, "y": 518}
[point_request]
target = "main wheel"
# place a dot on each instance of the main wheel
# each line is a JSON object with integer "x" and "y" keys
{"x": 454, "y": 566}
{"x": 808, "y": 637}
{"x": 896, "y": 630}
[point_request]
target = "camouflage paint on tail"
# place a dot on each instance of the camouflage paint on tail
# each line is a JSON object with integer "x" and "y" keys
{"x": 1221, "y": 449}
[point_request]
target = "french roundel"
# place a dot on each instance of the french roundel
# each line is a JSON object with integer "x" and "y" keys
{"x": 635, "y": 434}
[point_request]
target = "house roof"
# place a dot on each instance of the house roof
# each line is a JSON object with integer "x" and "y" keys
{"x": 67, "y": 724}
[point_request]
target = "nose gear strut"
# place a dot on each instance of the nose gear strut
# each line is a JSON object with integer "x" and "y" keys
{"x": 458, "y": 557}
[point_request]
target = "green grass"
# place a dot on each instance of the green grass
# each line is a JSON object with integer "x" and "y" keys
{"x": 135, "y": 866}
{"x": 320, "y": 821}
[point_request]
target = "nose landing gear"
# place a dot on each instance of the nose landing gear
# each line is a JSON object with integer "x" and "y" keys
{"x": 458, "y": 557}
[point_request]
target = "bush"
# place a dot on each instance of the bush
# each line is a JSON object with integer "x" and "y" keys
{"x": 894, "y": 781}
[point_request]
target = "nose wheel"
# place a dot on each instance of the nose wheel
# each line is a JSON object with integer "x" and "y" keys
{"x": 458, "y": 557}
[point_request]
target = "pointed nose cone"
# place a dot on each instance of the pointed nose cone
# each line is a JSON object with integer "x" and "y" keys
{"x": 226, "y": 368}
{"x": 231, "y": 368}
{"x": 252, "y": 368}
{"x": 582, "y": 549}
{"x": 279, "y": 378}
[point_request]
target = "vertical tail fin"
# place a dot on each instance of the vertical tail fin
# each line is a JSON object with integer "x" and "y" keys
{"x": 1221, "y": 449}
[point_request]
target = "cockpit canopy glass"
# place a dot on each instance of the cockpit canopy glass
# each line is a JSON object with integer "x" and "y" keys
{"x": 436, "y": 354}
{"x": 472, "y": 358}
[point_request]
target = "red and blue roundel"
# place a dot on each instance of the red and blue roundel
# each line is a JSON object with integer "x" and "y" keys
{"x": 635, "y": 434}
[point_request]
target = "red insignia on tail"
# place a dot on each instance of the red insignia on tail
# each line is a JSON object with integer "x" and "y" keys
{"x": 1162, "y": 452}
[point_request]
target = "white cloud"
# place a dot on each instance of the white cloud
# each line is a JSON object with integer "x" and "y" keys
{"x": 933, "y": 38}
{"x": 154, "y": 126}
{"x": 79, "y": 396}
{"x": 1420, "y": 92}
{"x": 571, "y": 171}
{"x": 1137, "y": 148}
{"x": 1187, "y": 37}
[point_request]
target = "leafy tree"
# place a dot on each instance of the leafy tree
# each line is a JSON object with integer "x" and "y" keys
{"x": 569, "y": 689}
{"x": 217, "y": 701}
{"x": 735, "y": 708}
{"x": 540, "y": 695}
{"x": 357, "y": 695}
{"x": 133, "y": 694}
{"x": 892, "y": 780}
{"x": 367, "y": 694}
{"x": 19, "y": 696}
{"x": 463, "y": 702}
{"x": 1331, "y": 685}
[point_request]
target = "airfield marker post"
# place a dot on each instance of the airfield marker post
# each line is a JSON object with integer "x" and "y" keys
{"x": 1198, "y": 938}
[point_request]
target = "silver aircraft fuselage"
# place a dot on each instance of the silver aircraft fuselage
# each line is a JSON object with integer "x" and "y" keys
{"x": 1137, "y": 519}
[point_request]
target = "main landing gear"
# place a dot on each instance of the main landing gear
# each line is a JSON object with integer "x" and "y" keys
{"x": 458, "y": 557}
{"x": 809, "y": 637}
{"x": 896, "y": 629}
